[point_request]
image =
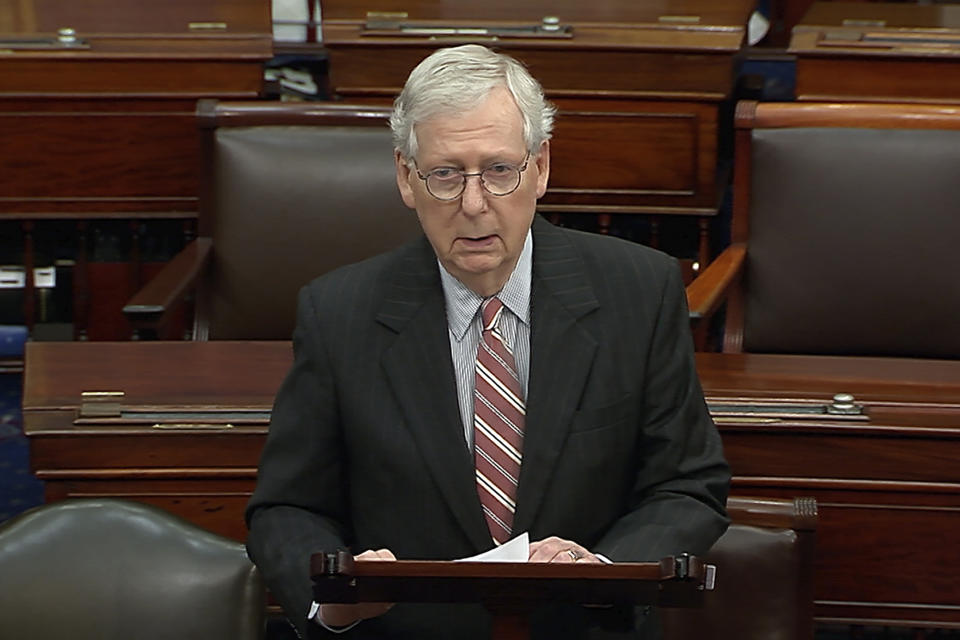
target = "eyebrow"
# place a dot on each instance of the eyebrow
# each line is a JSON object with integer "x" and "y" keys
{"x": 494, "y": 159}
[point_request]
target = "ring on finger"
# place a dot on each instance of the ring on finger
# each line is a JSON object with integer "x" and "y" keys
{"x": 574, "y": 554}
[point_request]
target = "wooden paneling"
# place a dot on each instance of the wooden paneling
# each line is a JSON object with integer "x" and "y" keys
{"x": 136, "y": 74}
{"x": 212, "y": 502}
{"x": 888, "y": 80}
{"x": 884, "y": 555}
{"x": 97, "y": 155}
{"x": 610, "y": 72}
{"x": 132, "y": 16}
{"x": 887, "y": 452}
{"x": 680, "y": 136}
{"x": 155, "y": 454}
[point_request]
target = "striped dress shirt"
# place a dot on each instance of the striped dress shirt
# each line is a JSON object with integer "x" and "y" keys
{"x": 464, "y": 328}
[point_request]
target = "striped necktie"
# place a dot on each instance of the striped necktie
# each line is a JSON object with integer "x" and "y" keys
{"x": 497, "y": 425}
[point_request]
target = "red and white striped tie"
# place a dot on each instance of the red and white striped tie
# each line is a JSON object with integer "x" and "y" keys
{"x": 497, "y": 425}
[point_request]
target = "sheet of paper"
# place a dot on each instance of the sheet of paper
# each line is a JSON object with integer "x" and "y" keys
{"x": 515, "y": 550}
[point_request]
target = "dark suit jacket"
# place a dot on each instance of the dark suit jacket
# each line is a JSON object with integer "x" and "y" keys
{"x": 366, "y": 445}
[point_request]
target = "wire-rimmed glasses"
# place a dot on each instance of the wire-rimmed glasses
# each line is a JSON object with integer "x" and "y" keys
{"x": 499, "y": 179}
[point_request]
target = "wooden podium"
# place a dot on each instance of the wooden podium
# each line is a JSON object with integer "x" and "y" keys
{"x": 509, "y": 590}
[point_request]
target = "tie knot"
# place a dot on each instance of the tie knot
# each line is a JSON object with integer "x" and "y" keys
{"x": 491, "y": 311}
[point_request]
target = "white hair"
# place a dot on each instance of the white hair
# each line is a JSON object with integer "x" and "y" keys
{"x": 458, "y": 79}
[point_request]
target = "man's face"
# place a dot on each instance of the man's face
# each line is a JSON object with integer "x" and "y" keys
{"x": 478, "y": 237}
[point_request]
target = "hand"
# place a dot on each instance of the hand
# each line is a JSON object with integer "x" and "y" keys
{"x": 342, "y": 615}
{"x": 554, "y": 549}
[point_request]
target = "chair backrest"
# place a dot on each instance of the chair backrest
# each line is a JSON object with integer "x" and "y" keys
{"x": 851, "y": 215}
{"x": 103, "y": 569}
{"x": 764, "y": 580}
{"x": 289, "y": 191}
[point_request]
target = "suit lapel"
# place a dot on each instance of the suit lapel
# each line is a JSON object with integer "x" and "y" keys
{"x": 561, "y": 353}
{"x": 419, "y": 368}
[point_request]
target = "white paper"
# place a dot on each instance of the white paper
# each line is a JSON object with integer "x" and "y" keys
{"x": 515, "y": 550}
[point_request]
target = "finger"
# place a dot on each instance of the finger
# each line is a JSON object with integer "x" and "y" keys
{"x": 545, "y": 550}
{"x": 379, "y": 554}
{"x": 565, "y": 556}
{"x": 554, "y": 549}
{"x": 588, "y": 558}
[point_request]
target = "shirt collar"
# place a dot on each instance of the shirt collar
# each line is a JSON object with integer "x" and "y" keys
{"x": 463, "y": 304}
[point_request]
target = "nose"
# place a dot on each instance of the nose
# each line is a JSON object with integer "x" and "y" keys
{"x": 474, "y": 198}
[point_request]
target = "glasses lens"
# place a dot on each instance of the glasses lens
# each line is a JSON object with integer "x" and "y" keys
{"x": 500, "y": 179}
{"x": 445, "y": 184}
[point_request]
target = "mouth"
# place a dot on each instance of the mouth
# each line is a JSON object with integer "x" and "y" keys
{"x": 478, "y": 241}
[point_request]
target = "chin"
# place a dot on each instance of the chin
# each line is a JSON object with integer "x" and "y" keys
{"x": 479, "y": 267}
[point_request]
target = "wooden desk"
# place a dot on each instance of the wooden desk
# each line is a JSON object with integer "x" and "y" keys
{"x": 638, "y": 86}
{"x": 888, "y": 484}
{"x": 887, "y": 487}
{"x": 875, "y": 51}
{"x": 204, "y": 474}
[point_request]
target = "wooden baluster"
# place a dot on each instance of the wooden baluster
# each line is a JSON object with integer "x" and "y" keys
{"x": 81, "y": 284}
{"x": 190, "y": 301}
{"x": 29, "y": 302}
{"x": 135, "y": 261}
{"x": 655, "y": 232}
{"x": 137, "y": 231}
{"x": 603, "y": 223}
{"x": 703, "y": 248}
{"x": 313, "y": 20}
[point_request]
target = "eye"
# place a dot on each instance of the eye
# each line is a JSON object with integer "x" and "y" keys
{"x": 444, "y": 173}
{"x": 499, "y": 169}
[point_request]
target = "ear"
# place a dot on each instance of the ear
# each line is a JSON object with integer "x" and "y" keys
{"x": 543, "y": 168}
{"x": 403, "y": 180}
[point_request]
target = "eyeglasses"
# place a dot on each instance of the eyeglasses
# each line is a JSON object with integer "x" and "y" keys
{"x": 500, "y": 179}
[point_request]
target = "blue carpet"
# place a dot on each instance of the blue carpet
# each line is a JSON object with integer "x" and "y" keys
{"x": 19, "y": 490}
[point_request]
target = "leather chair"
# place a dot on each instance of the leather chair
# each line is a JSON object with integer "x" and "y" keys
{"x": 103, "y": 569}
{"x": 764, "y": 581}
{"x": 289, "y": 191}
{"x": 844, "y": 232}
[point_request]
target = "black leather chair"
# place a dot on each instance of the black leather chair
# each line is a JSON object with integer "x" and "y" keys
{"x": 764, "y": 581}
{"x": 104, "y": 569}
{"x": 289, "y": 191}
{"x": 845, "y": 228}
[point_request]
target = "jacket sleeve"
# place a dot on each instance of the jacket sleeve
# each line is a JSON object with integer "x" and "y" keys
{"x": 298, "y": 507}
{"x": 677, "y": 503}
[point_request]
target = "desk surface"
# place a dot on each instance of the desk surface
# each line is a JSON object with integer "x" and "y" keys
{"x": 224, "y": 373}
{"x": 248, "y": 374}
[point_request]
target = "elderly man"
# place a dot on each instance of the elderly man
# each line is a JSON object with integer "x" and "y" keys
{"x": 495, "y": 377}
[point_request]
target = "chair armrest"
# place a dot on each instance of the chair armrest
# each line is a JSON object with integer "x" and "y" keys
{"x": 799, "y": 514}
{"x": 708, "y": 291}
{"x": 148, "y": 308}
